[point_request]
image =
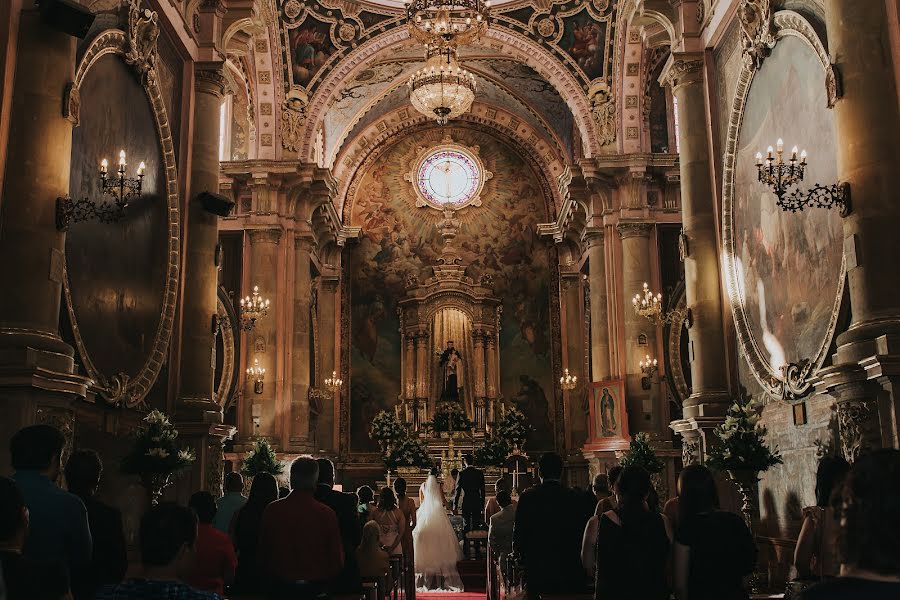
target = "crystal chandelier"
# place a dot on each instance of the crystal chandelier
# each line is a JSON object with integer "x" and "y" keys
{"x": 780, "y": 175}
{"x": 442, "y": 89}
{"x": 253, "y": 308}
{"x": 649, "y": 305}
{"x": 568, "y": 382}
{"x": 333, "y": 383}
{"x": 648, "y": 365}
{"x": 451, "y": 22}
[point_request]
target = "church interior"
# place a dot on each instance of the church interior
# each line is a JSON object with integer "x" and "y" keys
{"x": 452, "y": 235}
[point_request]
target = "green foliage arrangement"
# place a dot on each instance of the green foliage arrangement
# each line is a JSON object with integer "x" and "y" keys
{"x": 450, "y": 417}
{"x": 387, "y": 429}
{"x": 742, "y": 444}
{"x": 640, "y": 454}
{"x": 408, "y": 452}
{"x": 513, "y": 427}
{"x": 493, "y": 453}
{"x": 155, "y": 451}
{"x": 261, "y": 458}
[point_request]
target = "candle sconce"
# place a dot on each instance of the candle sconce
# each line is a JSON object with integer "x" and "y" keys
{"x": 256, "y": 374}
{"x": 121, "y": 189}
{"x": 649, "y": 366}
{"x": 780, "y": 175}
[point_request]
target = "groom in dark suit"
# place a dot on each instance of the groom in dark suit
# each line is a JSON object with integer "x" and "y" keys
{"x": 470, "y": 484}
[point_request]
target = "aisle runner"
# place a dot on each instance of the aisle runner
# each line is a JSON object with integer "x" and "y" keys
{"x": 450, "y": 596}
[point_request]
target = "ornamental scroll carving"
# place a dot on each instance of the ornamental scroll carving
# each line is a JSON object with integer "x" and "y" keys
{"x": 757, "y": 33}
{"x": 681, "y": 68}
{"x": 293, "y": 118}
{"x": 603, "y": 108}
{"x": 143, "y": 32}
{"x": 857, "y": 421}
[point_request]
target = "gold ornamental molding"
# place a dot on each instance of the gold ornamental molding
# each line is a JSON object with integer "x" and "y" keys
{"x": 137, "y": 48}
{"x": 793, "y": 380}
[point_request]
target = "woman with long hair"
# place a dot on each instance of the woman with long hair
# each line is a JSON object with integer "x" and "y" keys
{"x": 815, "y": 556}
{"x": 408, "y": 507}
{"x": 714, "y": 550}
{"x": 373, "y": 561}
{"x": 244, "y": 531}
{"x": 390, "y": 520}
{"x": 632, "y": 544}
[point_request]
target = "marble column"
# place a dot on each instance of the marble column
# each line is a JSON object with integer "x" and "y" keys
{"x": 262, "y": 341}
{"x": 300, "y": 348}
{"x": 640, "y": 333}
{"x": 196, "y": 402}
{"x": 38, "y": 365}
{"x": 409, "y": 368}
{"x": 709, "y": 368}
{"x": 600, "y": 365}
{"x": 422, "y": 353}
{"x": 492, "y": 385}
{"x": 576, "y": 413}
{"x": 478, "y": 387}
{"x": 328, "y": 307}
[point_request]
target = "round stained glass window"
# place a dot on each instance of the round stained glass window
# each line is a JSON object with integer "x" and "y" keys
{"x": 449, "y": 178}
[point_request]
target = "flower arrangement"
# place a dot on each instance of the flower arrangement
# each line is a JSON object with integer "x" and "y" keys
{"x": 513, "y": 427}
{"x": 407, "y": 452}
{"x": 640, "y": 454}
{"x": 493, "y": 453}
{"x": 450, "y": 417}
{"x": 742, "y": 444}
{"x": 261, "y": 458}
{"x": 387, "y": 429}
{"x": 155, "y": 450}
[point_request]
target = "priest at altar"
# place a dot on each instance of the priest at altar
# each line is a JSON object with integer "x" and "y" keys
{"x": 452, "y": 373}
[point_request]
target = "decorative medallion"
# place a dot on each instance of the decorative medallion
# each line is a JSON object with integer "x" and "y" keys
{"x": 449, "y": 176}
{"x": 292, "y": 9}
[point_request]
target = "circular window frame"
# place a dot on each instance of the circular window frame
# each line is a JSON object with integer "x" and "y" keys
{"x": 425, "y": 154}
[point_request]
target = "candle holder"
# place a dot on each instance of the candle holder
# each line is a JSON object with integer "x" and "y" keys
{"x": 120, "y": 190}
{"x": 333, "y": 383}
{"x": 256, "y": 374}
{"x": 253, "y": 308}
{"x": 568, "y": 382}
{"x": 781, "y": 175}
{"x": 649, "y": 305}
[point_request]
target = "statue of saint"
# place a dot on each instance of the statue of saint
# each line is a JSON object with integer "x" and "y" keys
{"x": 451, "y": 367}
{"x": 607, "y": 414}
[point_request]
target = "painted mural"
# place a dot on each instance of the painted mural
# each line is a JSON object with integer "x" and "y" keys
{"x": 584, "y": 39}
{"x": 498, "y": 238}
{"x": 310, "y": 47}
{"x": 788, "y": 265}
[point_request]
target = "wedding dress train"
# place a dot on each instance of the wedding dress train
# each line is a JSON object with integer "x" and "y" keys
{"x": 436, "y": 546}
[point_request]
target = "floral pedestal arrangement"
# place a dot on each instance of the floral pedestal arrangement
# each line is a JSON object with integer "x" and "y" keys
{"x": 155, "y": 457}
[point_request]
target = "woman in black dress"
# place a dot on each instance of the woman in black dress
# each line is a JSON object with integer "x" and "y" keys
{"x": 714, "y": 550}
{"x": 632, "y": 544}
{"x": 245, "y": 532}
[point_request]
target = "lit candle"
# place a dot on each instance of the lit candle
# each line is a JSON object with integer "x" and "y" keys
{"x": 122, "y": 158}
{"x": 141, "y": 168}
{"x": 803, "y": 157}
{"x": 780, "y": 145}
{"x": 104, "y": 166}
{"x": 769, "y": 151}
{"x": 758, "y": 159}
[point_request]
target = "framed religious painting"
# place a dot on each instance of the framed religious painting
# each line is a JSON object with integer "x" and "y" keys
{"x": 608, "y": 418}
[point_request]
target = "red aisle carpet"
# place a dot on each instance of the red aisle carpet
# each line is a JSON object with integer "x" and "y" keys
{"x": 473, "y": 574}
{"x": 450, "y": 596}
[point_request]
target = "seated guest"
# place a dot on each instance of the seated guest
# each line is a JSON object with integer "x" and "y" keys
{"x": 344, "y": 507}
{"x": 300, "y": 548}
{"x": 391, "y": 522}
{"x": 364, "y": 498}
{"x": 500, "y": 534}
{"x": 167, "y": 536}
{"x": 869, "y": 550}
{"x": 110, "y": 558}
{"x": 815, "y": 555}
{"x": 549, "y": 524}
{"x": 374, "y": 563}
{"x": 22, "y": 577}
{"x": 632, "y": 544}
{"x": 245, "y": 532}
{"x": 214, "y": 558}
{"x": 58, "y": 526}
{"x": 493, "y": 505}
{"x": 714, "y": 550}
{"x": 230, "y": 502}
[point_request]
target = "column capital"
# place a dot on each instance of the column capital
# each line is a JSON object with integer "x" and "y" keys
{"x": 593, "y": 237}
{"x": 304, "y": 242}
{"x": 630, "y": 229}
{"x": 265, "y": 236}
{"x": 683, "y": 69}
{"x": 208, "y": 78}
{"x": 330, "y": 283}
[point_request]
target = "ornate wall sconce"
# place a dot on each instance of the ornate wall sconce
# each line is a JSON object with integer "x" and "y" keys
{"x": 649, "y": 305}
{"x": 567, "y": 381}
{"x": 333, "y": 383}
{"x": 780, "y": 176}
{"x": 253, "y": 308}
{"x": 256, "y": 374}
{"x": 120, "y": 188}
{"x": 649, "y": 366}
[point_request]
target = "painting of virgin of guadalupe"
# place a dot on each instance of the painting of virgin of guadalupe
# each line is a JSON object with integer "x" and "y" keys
{"x": 609, "y": 423}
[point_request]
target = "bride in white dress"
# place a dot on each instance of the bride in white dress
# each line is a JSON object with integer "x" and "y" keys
{"x": 436, "y": 547}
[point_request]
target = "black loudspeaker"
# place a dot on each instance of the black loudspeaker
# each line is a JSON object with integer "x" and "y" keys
{"x": 66, "y": 16}
{"x": 216, "y": 204}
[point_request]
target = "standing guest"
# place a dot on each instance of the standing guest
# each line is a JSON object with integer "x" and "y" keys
{"x": 500, "y": 534}
{"x": 632, "y": 544}
{"x": 609, "y": 503}
{"x": 449, "y": 485}
{"x": 300, "y": 547}
{"x": 58, "y": 526}
{"x": 548, "y": 530}
{"x": 374, "y": 563}
{"x": 364, "y": 499}
{"x": 230, "y": 502}
{"x": 245, "y": 532}
{"x": 815, "y": 556}
{"x": 408, "y": 507}
{"x": 493, "y": 505}
{"x": 589, "y": 541}
{"x": 714, "y": 550}
{"x": 471, "y": 483}
{"x": 600, "y": 487}
{"x": 344, "y": 506}
{"x": 167, "y": 536}
{"x": 110, "y": 557}
{"x": 22, "y": 577}
{"x": 390, "y": 521}
{"x": 283, "y": 492}
{"x": 869, "y": 522}
{"x": 214, "y": 558}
